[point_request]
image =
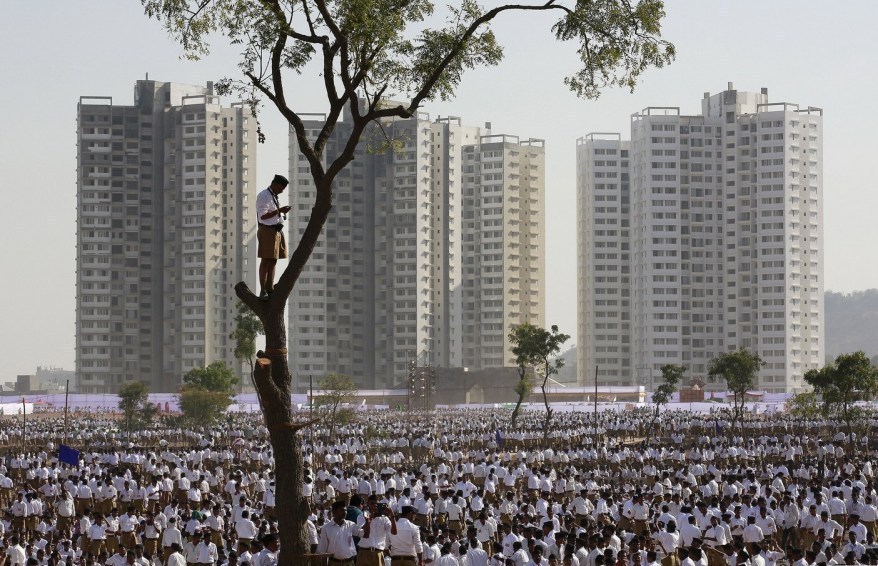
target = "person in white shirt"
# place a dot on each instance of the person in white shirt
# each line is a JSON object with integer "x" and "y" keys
{"x": 337, "y": 536}
{"x": 170, "y": 537}
{"x": 175, "y": 558}
{"x": 476, "y": 555}
{"x": 668, "y": 540}
{"x": 245, "y": 528}
{"x": 753, "y": 535}
{"x": 509, "y": 539}
{"x": 15, "y": 554}
{"x": 445, "y": 558}
{"x": 268, "y": 555}
{"x": 853, "y": 545}
{"x": 205, "y": 550}
{"x": 405, "y": 538}
{"x": 272, "y": 245}
{"x": 373, "y": 528}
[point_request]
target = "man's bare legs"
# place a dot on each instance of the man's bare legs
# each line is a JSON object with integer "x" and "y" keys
{"x": 266, "y": 276}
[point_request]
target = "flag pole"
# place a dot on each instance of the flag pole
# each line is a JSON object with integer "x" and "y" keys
{"x": 23, "y": 425}
{"x": 66, "y": 397}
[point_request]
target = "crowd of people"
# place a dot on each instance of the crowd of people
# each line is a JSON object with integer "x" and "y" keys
{"x": 448, "y": 488}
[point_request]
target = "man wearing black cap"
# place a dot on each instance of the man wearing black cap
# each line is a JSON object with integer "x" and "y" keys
{"x": 272, "y": 245}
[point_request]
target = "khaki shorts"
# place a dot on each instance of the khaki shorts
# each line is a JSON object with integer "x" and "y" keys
{"x": 272, "y": 244}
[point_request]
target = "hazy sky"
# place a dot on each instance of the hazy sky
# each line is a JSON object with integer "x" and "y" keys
{"x": 54, "y": 51}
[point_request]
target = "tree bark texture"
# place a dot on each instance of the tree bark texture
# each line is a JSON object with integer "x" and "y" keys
{"x": 516, "y": 410}
{"x": 548, "y": 421}
{"x": 273, "y": 381}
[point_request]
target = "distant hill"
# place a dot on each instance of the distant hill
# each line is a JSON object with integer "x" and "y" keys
{"x": 851, "y": 322}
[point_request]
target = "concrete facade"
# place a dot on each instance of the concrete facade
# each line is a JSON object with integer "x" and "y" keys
{"x": 724, "y": 241}
{"x": 398, "y": 271}
{"x": 165, "y": 228}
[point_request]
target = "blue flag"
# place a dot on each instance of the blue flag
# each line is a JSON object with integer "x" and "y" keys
{"x": 67, "y": 455}
{"x": 499, "y": 440}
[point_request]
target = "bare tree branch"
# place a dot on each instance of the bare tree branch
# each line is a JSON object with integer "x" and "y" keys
{"x": 431, "y": 81}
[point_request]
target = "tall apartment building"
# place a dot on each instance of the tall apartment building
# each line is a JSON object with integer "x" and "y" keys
{"x": 504, "y": 245}
{"x": 603, "y": 245}
{"x": 396, "y": 273}
{"x": 725, "y": 236}
{"x": 164, "y": 231}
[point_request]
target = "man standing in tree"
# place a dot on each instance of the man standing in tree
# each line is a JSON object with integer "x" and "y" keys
{"x": 272, "y": 244}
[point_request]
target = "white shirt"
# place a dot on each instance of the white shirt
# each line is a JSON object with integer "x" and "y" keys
{"x": 265, "y": 203}
{"x": 406, "y": 541}
{"x": 245, "y": 529}
{"x": 337, "y": 540}
{"x": 379, "y": 528}
{"x": 16, "y": 556}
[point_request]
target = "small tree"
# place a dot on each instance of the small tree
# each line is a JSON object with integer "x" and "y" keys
{"x": 136, "y": 408}
{"x": 207, "y": 393}
{"x": 803, "y": 407}
{"x": 519, "y": 337}
{"x": 336, "y": 390}
{"x": 537, "y": 347}
{"x": 851, "y": 378}
{"x": 217, "y": 377}
{"x": 247, "y": 328}
{"x": 672, "y": 375}
{"x": 739, "y": 369}
{"x": 523, "y": 389}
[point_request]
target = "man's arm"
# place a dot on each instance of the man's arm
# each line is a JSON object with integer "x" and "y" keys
{"x": 275, "y": 212}
{"x": 392, "y": 518}
{"x": 322, "y": 541}
{"x": 266, "y": 208}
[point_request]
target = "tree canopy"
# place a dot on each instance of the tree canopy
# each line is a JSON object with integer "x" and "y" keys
{"x": 740, "y": 370}
{"x": 537, "y": 347}
{"x": 247, "y": 328}
{"x": 207, "y": 393}
{"x": 672, "y": 376}
{"x": 850, "y": 378}
{"x": 217, "y": 377}
{"x": 335, "y": 391}
{"x": 136, "y": 408}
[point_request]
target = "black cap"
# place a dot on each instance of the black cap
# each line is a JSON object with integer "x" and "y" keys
{"x": 280, "y": 179}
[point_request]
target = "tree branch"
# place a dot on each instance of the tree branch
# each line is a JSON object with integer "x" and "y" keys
{"x": 307, "y": 11}
{"x": 248, "y": 298}
{"x": 431, "y": 81}
{"x": 262, "y": 377}
{"x": 294, "y": 119}
{"x": 327, "y": 17}
{"x": 287, "y": 27}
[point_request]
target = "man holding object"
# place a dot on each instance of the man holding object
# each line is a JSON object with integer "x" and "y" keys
{"x": 272, "y": 244}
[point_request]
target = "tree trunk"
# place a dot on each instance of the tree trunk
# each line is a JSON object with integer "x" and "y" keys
{"x": 847, "y": 417}
{"x": 548, "y": 419}
{"x": 332, "y": 422}
{"x": 272, "y": 375}
{"x": 516, "y": 410}
{"x": 273, "y": 381}
{"x": 735, "y": 411}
